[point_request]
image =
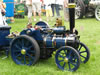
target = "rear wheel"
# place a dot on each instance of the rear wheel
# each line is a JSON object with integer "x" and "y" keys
{"x": 83, "y": 52}
{"x": 25, "y": 50}
{"x": 79, "y": 9}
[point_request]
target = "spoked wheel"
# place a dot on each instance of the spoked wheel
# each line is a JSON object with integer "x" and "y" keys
{"x": 67, "y": 58}
{"x": 79, "y": 9}
{"x": 97, "y": 13}
{"x": 25, "y": 50}
{"x": 83, "y": 52}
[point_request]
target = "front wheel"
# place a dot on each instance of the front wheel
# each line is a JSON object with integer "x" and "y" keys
{"x": 67, "y": 58}
{"x": 97, "y": 13}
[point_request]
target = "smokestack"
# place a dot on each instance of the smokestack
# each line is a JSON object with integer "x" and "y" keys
{"x": 72, "y": 15}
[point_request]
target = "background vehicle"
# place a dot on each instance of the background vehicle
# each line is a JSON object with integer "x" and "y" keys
{"x": 84, "y": 9}
{"x": 96, "y": 5}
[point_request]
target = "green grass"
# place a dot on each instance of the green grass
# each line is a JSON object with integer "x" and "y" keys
{"x": 89, "y": 30}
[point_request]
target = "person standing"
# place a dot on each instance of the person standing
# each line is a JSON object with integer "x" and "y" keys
{"x": 66, "y": 10}
{"x": 2, "y": 7}
{"x": 2, "y": 12}
{"x": 47, "y": 4}
{"x": 55, "y": 7}
{"x": 36, "y": 5}
{"x": 29, "y": 6}
{"x": 57, "y": 2}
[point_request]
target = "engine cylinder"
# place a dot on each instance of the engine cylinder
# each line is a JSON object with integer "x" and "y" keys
{"x": 57, "y": 42}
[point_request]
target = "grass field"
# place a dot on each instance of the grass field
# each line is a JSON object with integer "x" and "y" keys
{"x": 89, "y": 30}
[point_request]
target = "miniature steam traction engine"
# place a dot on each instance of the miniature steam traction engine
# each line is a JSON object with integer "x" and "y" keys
{"x": 40, "y": 42}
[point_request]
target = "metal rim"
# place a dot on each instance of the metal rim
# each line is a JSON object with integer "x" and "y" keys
{"x": 97, "y": 13}
{"x": 83, "y": 52}
{"x": 24, "y": 51}
{"x": 67, "y": 58}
